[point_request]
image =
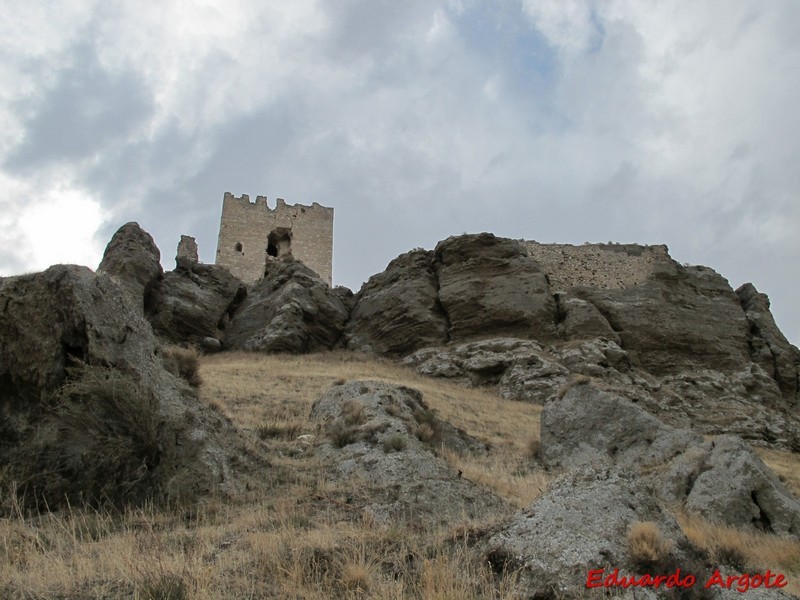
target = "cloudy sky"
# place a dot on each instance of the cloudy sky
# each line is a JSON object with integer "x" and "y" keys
{"x": 669, "y": 122}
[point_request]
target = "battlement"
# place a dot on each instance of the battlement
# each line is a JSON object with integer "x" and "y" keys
{"x": 262, "y": 202}
{"x": 607, "y": 266}
{"x": 252, "y": 233}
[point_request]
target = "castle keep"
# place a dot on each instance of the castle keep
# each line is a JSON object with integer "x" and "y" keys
{"x": 252, "y": 233}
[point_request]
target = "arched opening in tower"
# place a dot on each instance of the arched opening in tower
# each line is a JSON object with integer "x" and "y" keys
{"x": 279, "y": 242}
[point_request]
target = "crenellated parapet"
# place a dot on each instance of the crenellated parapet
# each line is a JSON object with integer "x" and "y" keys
{"x": 252, "y": 233}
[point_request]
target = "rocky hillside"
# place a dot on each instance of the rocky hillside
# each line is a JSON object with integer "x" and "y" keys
{"x": 640, "y": 403}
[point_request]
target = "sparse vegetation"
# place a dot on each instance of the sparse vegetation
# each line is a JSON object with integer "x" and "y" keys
{"x": 183, "y": 363}
{"x": 646, "y": 545}
{"x": 299, "y": 535}
{"x": 394, "y": 443}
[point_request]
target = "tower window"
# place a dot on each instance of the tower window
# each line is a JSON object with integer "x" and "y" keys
{"x": 238, "y": 246}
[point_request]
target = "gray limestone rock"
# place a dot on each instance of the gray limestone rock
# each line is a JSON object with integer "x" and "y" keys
{"x": 124, "y": 428}
{"x": 290, "y": 310}
{"x": 186, "y": 256}
{"x": 583, "y": 523}
{"x": 679, "y": 318}
{"x": 724, "y": 480}
{"x": 133, "y": 259}
{"x": 769, "y": 347}
{"x": 594, "y": 426}
{"x": 398, "y": 311}
{"x": 188, "y": 305}
{"x": 490, "y": 286}
{"x": 381, "y": 438}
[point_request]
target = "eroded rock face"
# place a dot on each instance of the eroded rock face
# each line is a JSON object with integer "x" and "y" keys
{"x": 679, "y": 318}
{"x": 124, "y": 401}
{"x": 769, "y": 348}
{"x": 133, "y": 259}
{"x": 382, "y": 438}
{"x": 583, "y": 523}
{"x": 722, "y": 480}
{"x": 290, "y": 310}
{"x": 593, "y": 426}
{"x": 489, "y": 285}
{"x": 186, "y": 256}
{"x": 189, "y": 305}
{"x": 398, "y": 311}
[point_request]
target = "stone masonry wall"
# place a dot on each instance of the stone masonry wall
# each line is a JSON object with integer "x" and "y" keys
{"x": 247, "y": 229}
{"x": 604, "y": 266}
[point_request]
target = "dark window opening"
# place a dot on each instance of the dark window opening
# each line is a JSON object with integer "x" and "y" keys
{"x": 238, "y": 246}
{"x": 279, "y": 242}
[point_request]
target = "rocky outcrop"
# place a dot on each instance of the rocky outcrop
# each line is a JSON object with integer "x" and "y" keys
{"x": 290, "y": 310}
{"x": 398, "y": 310}
{"x": 89, "y": 411}
{"x": 382, "y": 438}
{"x": 593, "y": 426}
{"x": 133, "y": 259}
{"x": 769, "y": 348}
{"x": 679, "y": 318}
{"x": 583, "y": 523}
{"x": 581, "y": 320}
{"x": 191, "y": 304}
{"x": 489, "y": 285}
{"x": 722, "y": 480}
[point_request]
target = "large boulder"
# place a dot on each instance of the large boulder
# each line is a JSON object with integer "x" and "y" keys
{"x": 89, "y": 413}
{"x": 724, "y": 480}
{"x": 383, "y": 439}
{"x": 398, "y": 311}
{"x": 191, "y": 304}
{"x": 490, "y": 286}
{"x": 133, "y": 259}
{"x": 589, "y": 425}
{"x": 768, "y": 346}
{"x": 679, "y": 318}
{"x": 582, "y": 523}
{"x": 290, "y": 310}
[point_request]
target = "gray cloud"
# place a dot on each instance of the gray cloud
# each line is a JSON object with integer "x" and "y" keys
{"x": 571, "y": 122}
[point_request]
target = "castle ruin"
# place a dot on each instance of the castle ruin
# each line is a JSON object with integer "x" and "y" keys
{"x": 605, "y": 266}
{"x": 252, "y": 233}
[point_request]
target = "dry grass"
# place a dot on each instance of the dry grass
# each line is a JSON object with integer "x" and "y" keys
{"x": 746, "y": 551}
{"x": 646, "y": 544}
{"x": 297, "y": 537}
{"x": 785, "y": 465}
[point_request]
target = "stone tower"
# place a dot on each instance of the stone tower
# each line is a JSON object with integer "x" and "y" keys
{"x": 252, "y": 233}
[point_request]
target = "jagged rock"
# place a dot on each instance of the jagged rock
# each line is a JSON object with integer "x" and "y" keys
{"x": 679, "y": 318}
{"x": 583, "y": 523}
{"x": 768, "y": 346}
{"x": 490, "y": 286}
{"x": 133, "y": 259}
{"x": 398, "y": 311}
{"x": 582, "y": 320}
{"x": 518, "y": 366}
{"x": 724, "y": 480}
{"x": 186, "y": 256}
{"x": 593, "y": 426}
{"x": 124, "y": 427}
{"x": 188, "y": 305}
{"x": 382, "y": 438}
{"x": 290, "y": 310}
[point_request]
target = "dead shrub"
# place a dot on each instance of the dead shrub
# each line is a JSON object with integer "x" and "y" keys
{"x": 99, "y": 445}
{"x": 183, "y": 363}
{"x": 535, "y": 449}
{"x": 646, "y": 545}
{"x": 394, "y": 442}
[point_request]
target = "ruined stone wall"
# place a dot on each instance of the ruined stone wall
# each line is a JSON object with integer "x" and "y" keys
{"x": 606, "y": 266}
{"x": 250, "y": 232}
